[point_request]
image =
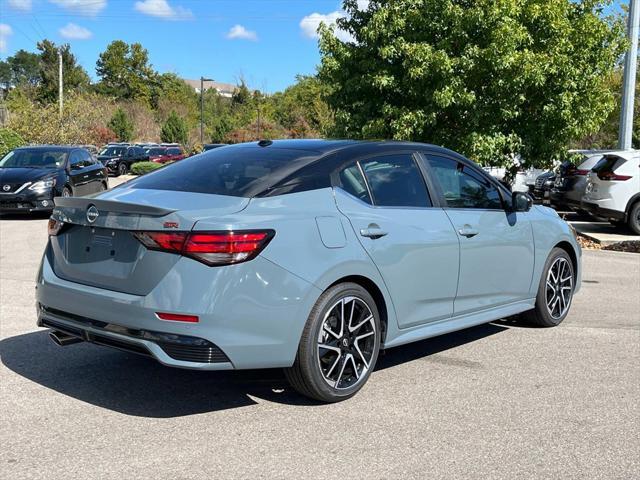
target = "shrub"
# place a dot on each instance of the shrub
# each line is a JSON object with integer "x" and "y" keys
{"x": 174, "y": 130}
{"x": 9, "y": 140}
{"x": 140, "y": 168}
{"x": 121, "y": 125}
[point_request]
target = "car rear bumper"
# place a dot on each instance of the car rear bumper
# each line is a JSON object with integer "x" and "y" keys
{"x": 598, "y": 211}
{"x": 251, "y": 315}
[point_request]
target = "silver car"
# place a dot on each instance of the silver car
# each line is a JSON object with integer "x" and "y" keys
{"x": 309, "y": 255}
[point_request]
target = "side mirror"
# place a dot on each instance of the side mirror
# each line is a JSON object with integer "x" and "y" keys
{"x": 521, "y": 202}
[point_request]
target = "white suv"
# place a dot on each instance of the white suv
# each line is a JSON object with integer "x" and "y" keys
{"x": 613, "y": 189}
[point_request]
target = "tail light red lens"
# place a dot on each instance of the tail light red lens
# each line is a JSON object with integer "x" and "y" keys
{"x": 210, "y": 248}
{"x": 176, "y": 317}
{"x": 612, "y": 176}
{"x": 54, "y": 227}
{"x": 580, "y": 172}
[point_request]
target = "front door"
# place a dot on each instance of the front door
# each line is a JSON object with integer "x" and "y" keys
{"x": 496, "y": 246}
{"x": 412, "y": 243}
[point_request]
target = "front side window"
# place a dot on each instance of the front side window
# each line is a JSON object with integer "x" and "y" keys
{"x": 462, "y": 186}
{"x": 396, "y": 181}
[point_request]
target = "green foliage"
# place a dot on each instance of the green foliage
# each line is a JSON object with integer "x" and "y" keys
{"x": 21, "y": 70}
{"x": 140, "y": 168}
{"x": 121, "y": 126}
{"x": 9, "y": 140}
{"x": 75, "y": 78}
{"x": 35, "y": 122}
{"x": 125, "y": 72}
{"x": 174, "y": 130}
{"x": 302, "y": 109}
{"x": 489, "y": 79}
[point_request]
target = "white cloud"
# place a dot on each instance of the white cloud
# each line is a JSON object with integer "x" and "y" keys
{"x": 162, "y": 9}
{"x": 23, "y": 5}
{"x": 5, "y": 32}
{"x": 83, "y": 7}
{"x": 238, "y": 32}
{"x": 75, "y": 32}
{"x": 310, "y": 24}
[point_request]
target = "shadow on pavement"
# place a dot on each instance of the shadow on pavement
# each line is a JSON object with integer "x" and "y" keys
{"x": 134, "y": 385}
{"x": 25, "y": 216}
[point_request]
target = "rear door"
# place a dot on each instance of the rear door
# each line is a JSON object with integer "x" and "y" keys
{"x": 411, "y": 242}
{"x": 496, "y": 247}
{"x": 95, "y": 172}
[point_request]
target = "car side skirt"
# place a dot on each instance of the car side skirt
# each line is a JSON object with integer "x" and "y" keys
{"x": 461, "y": 322}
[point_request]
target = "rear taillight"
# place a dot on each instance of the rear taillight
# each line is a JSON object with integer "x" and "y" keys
{"x": 54, "y": 227}
{"x": 580, "y": 172}
{"x": 612, "y": 176}
{"x": 210, "y": 248}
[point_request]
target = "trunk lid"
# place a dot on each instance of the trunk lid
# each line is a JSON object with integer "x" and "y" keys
{"x": 98, "y": 247}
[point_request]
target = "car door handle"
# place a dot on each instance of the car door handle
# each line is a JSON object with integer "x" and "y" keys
{"x": 468, "y": 231}
{"x": 373, "y": 231}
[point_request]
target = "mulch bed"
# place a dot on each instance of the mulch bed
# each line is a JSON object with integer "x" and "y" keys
{"x": 632, "y": 246}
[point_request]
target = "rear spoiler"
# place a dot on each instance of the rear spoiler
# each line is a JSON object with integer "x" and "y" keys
{"x": 82, "y": 203}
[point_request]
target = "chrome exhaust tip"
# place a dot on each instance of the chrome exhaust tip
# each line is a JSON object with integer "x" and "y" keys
{"x": 62, "y": 339}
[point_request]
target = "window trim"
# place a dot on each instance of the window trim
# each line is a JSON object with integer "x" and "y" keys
{"x": 423, "y": 154}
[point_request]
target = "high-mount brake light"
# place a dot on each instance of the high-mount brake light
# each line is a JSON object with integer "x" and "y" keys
{"x": 210, "y": 248}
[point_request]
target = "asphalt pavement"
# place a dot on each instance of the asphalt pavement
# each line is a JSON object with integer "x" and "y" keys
{"x": 502, "y": 400}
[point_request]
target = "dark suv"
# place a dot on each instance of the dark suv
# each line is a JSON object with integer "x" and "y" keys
{"x": 119, "y": 158}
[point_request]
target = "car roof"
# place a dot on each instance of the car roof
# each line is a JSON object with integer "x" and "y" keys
{"x": 49, "y": 148}
{"x": 322, "y": 147}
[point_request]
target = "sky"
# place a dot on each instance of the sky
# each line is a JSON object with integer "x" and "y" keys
{"x": 266, "y": 42}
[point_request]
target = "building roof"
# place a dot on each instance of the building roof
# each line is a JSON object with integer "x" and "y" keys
{"x": 221, "y": 87}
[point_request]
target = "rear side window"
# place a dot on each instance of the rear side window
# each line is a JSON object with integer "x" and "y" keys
{"x": 232, "y": 171}
{"x": 352, "y": 181}
{"x": 464, "y": 187}
{"x": 396, "y": 181}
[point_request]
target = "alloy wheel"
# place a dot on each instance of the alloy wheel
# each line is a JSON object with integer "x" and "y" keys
{"x": 559, "y": 288}
{"x": 346, "y": 343}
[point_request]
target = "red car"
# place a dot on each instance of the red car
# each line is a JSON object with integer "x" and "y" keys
{"x": 174, "y": 154}
{"x": 157, "y": 154}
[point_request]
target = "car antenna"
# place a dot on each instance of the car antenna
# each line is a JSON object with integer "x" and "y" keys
{"x": 264, "y": 143}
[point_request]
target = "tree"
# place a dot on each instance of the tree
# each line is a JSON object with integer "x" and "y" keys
{"x": 75, "y": 77}
{"x": 174, "y": 130}
{"x": 302, "y": 109}
{"x": 125, "y": 72}
{"x": 121, "y": 126}
{"x": 25, "y": 68}
{"x": 489, "y": 79}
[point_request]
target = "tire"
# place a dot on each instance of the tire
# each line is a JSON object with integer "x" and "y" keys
{"x": 634, "y": 218}
{"x": 66, "y": 192}
{"x": 122, "y": 169}
{"x": 550, "y": 284}
{"x": 339, "y": 369}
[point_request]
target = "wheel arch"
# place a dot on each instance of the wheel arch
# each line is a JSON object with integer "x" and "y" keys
{"x": 378, "y": 297}
{"x": 567, "y": 247}
{"x": 632, "y": 201}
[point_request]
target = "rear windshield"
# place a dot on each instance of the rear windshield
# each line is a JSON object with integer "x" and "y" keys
{"x": 608, "y": 163}
{"x": 237, "y": 172}
{"x": 36, "y": 158}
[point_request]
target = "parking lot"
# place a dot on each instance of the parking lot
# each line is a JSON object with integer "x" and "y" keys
{"x": 501, "y": 400}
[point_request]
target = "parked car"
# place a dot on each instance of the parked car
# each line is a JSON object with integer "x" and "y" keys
{"x": 542, "y": 186}
{"x": 174, "y": 154}
{"x": 305, "y": 254}
{"x": 571, "y": 180}
{"x": 156, "y": 154}
{"x": 211, "y": 146}
{"x": 30, "y": 177}
{"x": 119, "y": 158}
{"x": 613, "y": 189}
